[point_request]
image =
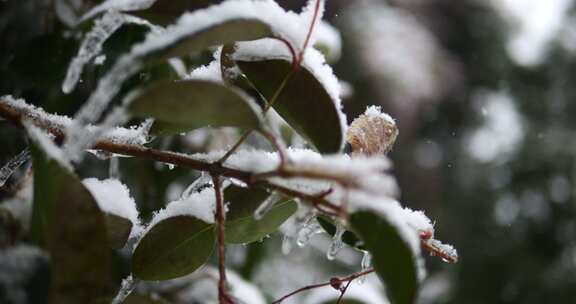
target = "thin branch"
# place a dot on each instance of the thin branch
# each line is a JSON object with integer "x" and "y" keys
{"x": 334, "y": 282}
{"x": 309, "y": 34}
{"x": 16, "y": 116}
{"x": 234, "y": 147}
{"x": 223, "y": 297}
{"x": 278, "y": 145}
{"x": 342, "y": 292}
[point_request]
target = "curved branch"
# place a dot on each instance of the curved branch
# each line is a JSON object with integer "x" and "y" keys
{"x": 334, "y": 282}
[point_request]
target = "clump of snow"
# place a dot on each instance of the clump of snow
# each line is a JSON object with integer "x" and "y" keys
{"x": 200, "y": 205}
{"x": 113, "y": 197}
{"x": 418, "y": 220}
{"x": 376, "y": 111}
{"x": 209, "y": 72}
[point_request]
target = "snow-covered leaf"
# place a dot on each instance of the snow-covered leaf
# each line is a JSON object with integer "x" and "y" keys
{"x": 67, "y": 220}
{"x": 119, "y": 208}
{"x": 392, "y": 257}
{"x": 186, "y": 105}
{"x": 228, "y": 31}
{"x": 173, "y": 247}
{"x": 241, "y": 226}
{"x": 304, "y": 101}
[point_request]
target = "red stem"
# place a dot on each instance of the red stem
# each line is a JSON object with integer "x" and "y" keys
{"x": 343, "y": 292}
{"x": 310, "y": 30}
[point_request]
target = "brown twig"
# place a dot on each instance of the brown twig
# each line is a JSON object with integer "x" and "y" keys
{"x": 16, "y": 116}
{"x": 334, "y": 282}
{"x": 223, "y": 297}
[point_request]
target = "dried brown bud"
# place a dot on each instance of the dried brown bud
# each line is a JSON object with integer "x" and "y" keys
{"x": 372, "y": 133}
{"x": 336, "y": 283}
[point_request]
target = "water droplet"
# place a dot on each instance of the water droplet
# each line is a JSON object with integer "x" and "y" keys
{"x": 287, "y": 244}
{"x": 366, "y": 260}
{"x": 309, "y": 228}
{"x": 114, "y": 167}
{"x": 337, "y": 243}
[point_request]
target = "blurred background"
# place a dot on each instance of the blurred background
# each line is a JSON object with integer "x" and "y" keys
{"x": 481, "y": 91}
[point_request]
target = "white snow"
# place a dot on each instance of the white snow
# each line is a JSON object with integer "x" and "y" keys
{"x": 283, "y": 23}
{"x": 44, "y": 141}
{"x": 118, "y": 5}
{"x": 200, "y": 205}
{"x": 209, "y": 72}
{"x": 37, "y": 116}
{"x": 376, "y": 111}
{"x": 113, "y": 197}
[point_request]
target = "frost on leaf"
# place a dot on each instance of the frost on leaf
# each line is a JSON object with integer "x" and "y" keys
{"x": 118, "y": 5}
{"x": 91, "y": 46}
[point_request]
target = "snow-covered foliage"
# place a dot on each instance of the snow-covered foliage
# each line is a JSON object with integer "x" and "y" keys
{"x": 329, "y": 189}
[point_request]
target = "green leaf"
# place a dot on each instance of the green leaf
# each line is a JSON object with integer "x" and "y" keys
{"x": 240, "y": 81}
{"x": 348, "y": 237}
{"x": 303, "y": 102}
{"x": 174, "y": 247}
{"x": 241, "y": 227}
{"x": 118, "y": 230}
{"x": 68, "y": 222}
{"x": 392, "y": 257}
{"x": 186, "y": 105}
{"x": 218, "y": 34}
